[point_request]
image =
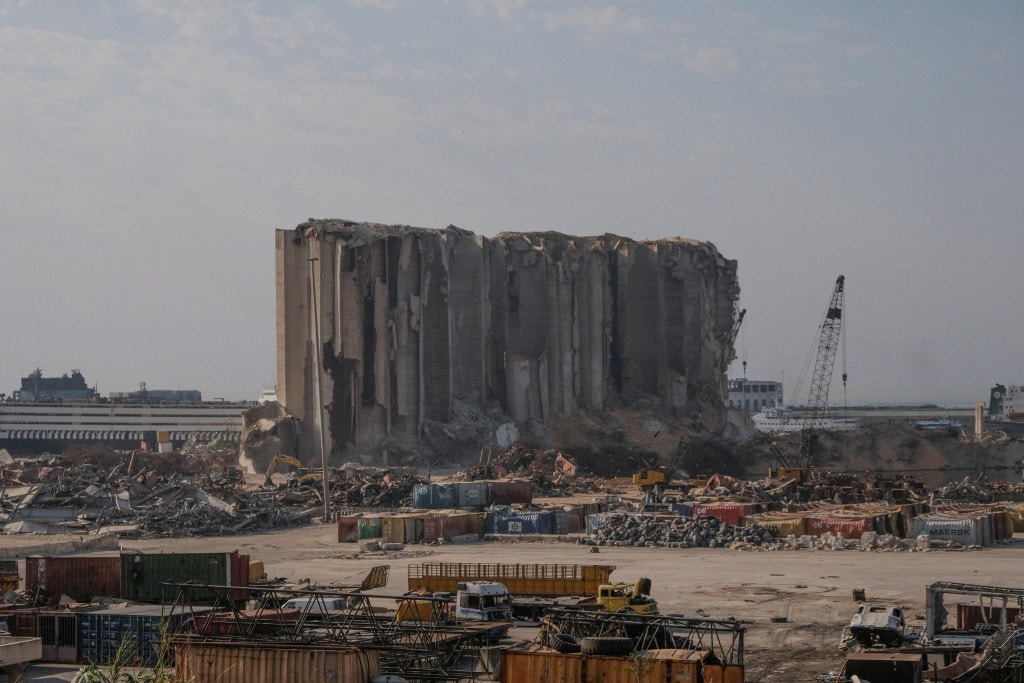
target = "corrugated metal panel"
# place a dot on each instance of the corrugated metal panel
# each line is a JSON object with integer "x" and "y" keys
{"x": 956, "y": 528}
{"x": 847, "y": 527}
{"x": 969, "y": 616}
{"x": 614, "y": 669}
{"x": 435, "y": 496}
{"x": 414, "y": 528}
{"x": 21, "y": 621}
{"x": 730, "y": 513}
{"x": 392, "y": 529}
{"x": 445, "y": 526}
{"x": 719, "y": 673}
{"x": 520, "y": 579}
{"x": 477, "y": 523}
{"x": 536, "y": 666}
{"x": 520, "y": 523}
{"x": 80, "y": 577}
{"x": 510, "y": 492}
{"x": 781, "y": 525}
{"x": 471, "y": 494}
{"x": 248, "y": 663}
{"x": 143, "y": 573}
{"x": 421, "y": 496}
{"x": 370, "y": 526}
{"x": 348, "y": 528}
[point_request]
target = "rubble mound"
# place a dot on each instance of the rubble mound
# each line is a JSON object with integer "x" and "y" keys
{"x": 552, "y": 472}
{"x": 680, "y": 532}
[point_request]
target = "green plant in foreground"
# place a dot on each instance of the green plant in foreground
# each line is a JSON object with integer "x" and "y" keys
{"x": 116, "y": 671}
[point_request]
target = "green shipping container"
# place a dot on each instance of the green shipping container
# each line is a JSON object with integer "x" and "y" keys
{"x": 143, "y": 575}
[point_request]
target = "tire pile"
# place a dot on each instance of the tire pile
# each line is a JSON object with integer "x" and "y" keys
{"x": 680, "y": 532}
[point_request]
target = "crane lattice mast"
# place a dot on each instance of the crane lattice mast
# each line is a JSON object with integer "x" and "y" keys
{"x": 828, "y": 344}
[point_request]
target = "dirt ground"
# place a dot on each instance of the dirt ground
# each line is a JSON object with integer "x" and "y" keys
{"x": 812, "y": 589}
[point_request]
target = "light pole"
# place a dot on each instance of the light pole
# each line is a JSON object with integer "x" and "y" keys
{"x": 319, "y": 398}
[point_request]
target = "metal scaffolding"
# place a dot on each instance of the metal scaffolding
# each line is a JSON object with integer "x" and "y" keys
{"x": 426, "y": 648}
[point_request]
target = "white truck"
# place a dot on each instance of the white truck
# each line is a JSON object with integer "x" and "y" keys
{"x": 487, "y": 601}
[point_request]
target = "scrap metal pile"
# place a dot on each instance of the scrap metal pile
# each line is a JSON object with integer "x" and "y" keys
{"x": 195, "y": 492}
{"x": 553, "y": 473}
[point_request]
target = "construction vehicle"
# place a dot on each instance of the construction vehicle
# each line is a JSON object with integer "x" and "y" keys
{"x": 628, "y": 597}
{"x": 534, "y": 588}
{"x": 304, "y": 474}
{"x": 817, "y": 400}
{"x": 650, "y": 476}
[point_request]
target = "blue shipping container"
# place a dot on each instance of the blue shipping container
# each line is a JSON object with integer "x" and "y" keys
{"x": 434, "y": 496}
{"x": 520, "y": 523}
{"x": 472, "y": 494}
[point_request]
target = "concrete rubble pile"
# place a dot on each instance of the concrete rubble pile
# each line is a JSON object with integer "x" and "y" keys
{"x": 620, "y": 530}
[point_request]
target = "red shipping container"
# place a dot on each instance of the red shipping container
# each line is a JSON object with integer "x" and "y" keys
{"x": 21, "y": 621}
{"x": 455, "y": 525}
{"x": 445, "y": 527}
{"x": 848, "y": 527}
{"x": 80, "y": 577}
{"x": 510, "y": 492}
{"x": 348, "y": 528}
{"x": 730, "y": 513}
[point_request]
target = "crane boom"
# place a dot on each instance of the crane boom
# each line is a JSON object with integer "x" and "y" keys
{"x": 828, "y": 344}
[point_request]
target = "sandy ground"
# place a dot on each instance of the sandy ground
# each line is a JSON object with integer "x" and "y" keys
{"x": 812, "y": 589}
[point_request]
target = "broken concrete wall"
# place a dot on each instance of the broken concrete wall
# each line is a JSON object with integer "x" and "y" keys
{"x": 539, "y": 325}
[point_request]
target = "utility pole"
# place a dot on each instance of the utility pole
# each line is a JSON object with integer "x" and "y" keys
{"x": 324, "y": 478}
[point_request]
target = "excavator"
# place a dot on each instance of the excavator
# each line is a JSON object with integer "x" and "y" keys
{"x": 304, "y": 475}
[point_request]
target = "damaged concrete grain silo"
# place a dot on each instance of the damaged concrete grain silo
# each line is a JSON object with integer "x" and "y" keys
{"x": 418, "y": 326}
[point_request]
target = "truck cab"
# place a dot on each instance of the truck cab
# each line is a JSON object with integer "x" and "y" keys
{"x": 627, "y": 597}
{"x": 878, "y": 624}
{"x": 484, "y": 601}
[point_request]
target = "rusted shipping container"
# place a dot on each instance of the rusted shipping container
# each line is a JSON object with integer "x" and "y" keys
{"x": 437, "y": 527}
{"x": 80, "y": 577}
{"x": 730, "y": 513}
{"x": 21, "y": 621}
{"x": 348, "y": 528}
{"x": 847, "y": 527}
{"x": 549, "y": 580}
{"x": 533, "y": 663}
{"x": 721, "y": 673}
{"x": 510, "y": 492}
{"x": 969, "y": 616}
{"x": 533, "y": 666}
{"x": 251, "y": 663}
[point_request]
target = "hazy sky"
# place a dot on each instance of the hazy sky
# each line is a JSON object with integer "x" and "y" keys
{"x": 150, "y": 149}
